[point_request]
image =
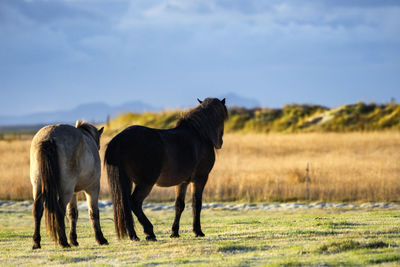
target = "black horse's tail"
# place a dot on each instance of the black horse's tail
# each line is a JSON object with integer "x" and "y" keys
{"x": 49, "y": 172}
{"x": 121, "y": 187}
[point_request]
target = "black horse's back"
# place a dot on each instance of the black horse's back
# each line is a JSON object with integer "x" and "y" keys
{"x": 142, "y": 153}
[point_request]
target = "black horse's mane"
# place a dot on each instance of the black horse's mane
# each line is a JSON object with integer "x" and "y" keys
{"x": 206, "y": 119}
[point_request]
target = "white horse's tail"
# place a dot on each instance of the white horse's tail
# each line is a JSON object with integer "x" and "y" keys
{"x": 49, "y": 172}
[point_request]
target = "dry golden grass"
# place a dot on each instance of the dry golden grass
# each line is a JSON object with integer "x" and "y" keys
{"x": 14, "y": 170}
{"x": 343, "y": 167}
{"x": 255, "y": 167}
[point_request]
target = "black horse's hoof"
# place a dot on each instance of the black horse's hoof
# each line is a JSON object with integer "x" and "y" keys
{"x": 174, "y": 235}
{"x": 200, "y": 234}
{"x": 65, "y": 244}
{"x": 151, "y": 238}
{"x": 103, "y": 241}
{"x": 36, "y": 246}
{"x": 74, "y": 243}
{"x": 135, "y": 238}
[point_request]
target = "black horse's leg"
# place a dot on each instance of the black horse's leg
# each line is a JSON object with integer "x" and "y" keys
{"x": 92, "y": 197}
{"x": 37, "y": 211}
{"x": 72, "y": 213}
{"x": 197, "y": 194}
{"x": 180, "y": 192}
{"x": 139, "y": 194}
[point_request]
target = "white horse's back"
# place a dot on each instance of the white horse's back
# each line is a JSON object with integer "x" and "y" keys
{"x": 69, "y": 142}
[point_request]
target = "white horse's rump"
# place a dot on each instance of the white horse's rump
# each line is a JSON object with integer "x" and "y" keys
{"x": 64, "y": 161}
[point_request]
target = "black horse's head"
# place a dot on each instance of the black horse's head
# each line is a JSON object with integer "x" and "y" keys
{"x": 207, "y": 120}
{"x": 217, "y": 113}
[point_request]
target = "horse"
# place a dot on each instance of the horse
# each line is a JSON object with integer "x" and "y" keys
{"x": 171, "y": 157}
{"x": 64, "y": 160}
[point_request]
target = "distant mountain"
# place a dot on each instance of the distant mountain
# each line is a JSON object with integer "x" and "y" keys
{"x": 93, "y": 112}
{"x": 234, "y": 100}
{"x": 100, "y": 111}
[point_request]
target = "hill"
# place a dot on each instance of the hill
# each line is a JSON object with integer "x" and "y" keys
{"x": 289, "y": 119}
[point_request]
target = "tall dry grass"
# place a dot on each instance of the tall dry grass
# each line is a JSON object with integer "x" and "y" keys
{"x": 255, "y": 167}
{"x": 14, "y": 170}
{"x": 343, "y": 167}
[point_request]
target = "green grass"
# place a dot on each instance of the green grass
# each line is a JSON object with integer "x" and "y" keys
{"x": 233, "y": 238}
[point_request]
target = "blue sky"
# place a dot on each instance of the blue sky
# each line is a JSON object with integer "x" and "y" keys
{"x": 58, "y": 54}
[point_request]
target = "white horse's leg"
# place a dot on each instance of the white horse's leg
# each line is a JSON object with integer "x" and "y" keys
{"x": 92, "y": 197}
{"x": 72, "y": 212}
{"x": 66, "y": 197}
{"x": 37, "y": 211}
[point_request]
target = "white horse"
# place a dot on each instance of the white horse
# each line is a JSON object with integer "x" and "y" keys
{"x": 64, "y": 161}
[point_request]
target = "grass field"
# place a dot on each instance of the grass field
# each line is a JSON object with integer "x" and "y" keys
{"x": 344, "y": 167}
{"x": 233, "y": 238}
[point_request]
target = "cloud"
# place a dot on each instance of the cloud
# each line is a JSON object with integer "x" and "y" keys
{"x": 179, "y": 44}
{"x": 259, "y": 31}
{"x": 281, "y": 25}
{"x": 82, "y": 25}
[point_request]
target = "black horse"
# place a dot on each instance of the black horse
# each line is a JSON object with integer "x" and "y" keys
{"x": 173, "y": 157}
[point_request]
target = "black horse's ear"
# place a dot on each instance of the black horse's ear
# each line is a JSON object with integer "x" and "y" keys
{"x": 223, "y": 101}
{"x": 201, "y": 102}
{"x": 101, "y": 130}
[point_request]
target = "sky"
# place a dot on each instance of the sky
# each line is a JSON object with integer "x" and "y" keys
{"x": 61, "y": 53}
